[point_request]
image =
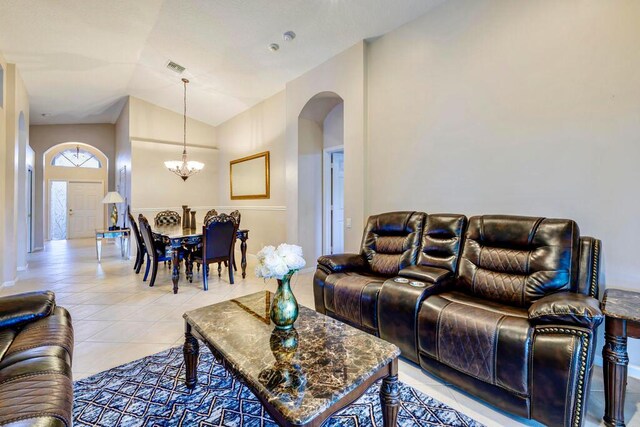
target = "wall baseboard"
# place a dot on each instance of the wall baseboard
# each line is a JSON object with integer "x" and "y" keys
{"x": 38, "y": 249}
{"x": 632, "y": 370}
{"x": 23, "y": 268}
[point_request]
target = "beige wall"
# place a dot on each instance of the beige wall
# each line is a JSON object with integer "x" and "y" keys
{"x": 528, "y": 108}
{"x": 5, "y": 276}
{"x": 148, "y": 122}
{"x": 155, "y": 135}
{"x": 123, "y": 153}
{"x": 310, "y": 145}
{"x": 59, "y": 173}
{"x": 345, "y": 76}
{"x": 13, "y": 146}
{"x": 333, "y": 127}
{"x": 261, "y": 128}
{"x": 43, "y": 138}
{"x": 154, "y": 188}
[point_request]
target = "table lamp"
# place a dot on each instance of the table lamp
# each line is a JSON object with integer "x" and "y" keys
{"x": 113, "y": 197}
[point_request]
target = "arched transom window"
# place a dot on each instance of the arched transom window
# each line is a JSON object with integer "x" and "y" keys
{"x": 76, "y": 158}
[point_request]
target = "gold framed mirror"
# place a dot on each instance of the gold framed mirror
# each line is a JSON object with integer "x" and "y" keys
{"x": 249, "y": 177}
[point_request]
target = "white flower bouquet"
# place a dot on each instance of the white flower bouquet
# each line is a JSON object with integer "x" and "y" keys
{"x": 279, "y": 262}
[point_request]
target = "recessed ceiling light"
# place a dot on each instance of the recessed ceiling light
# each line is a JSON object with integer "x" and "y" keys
{"x": 288, "y": 36}
{"x": 273, "y": 47}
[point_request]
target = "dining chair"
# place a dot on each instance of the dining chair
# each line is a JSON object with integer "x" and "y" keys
{"x": 156, "y": 249}
{"x": 209, "y": 214}
{"x": 217, "y": 245}
{"x": 142, "y": 249}
{"x": 237, "y": 216}
{"x": 167, "y": 218}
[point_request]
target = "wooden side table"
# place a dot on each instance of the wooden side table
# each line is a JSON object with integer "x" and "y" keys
{"x": 622, "y": 311}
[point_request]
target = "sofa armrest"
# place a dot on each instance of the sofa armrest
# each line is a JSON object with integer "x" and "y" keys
{"x": 343, "y": 262}
{"x": 425, "y": 273}
{"x": 16, "y": 310}
{"x": 567, "y": 308}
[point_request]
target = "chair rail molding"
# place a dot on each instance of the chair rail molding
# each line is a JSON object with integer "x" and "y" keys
{"x": 206, "y": 208}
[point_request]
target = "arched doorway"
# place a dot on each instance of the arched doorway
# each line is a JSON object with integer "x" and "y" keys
{"x": 75, "y": 181}
{"x": 321, "y": 175}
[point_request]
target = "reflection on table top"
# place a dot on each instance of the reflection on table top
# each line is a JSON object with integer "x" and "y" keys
{"x": 176, "y": 231}
{"x": 107, "y": 231}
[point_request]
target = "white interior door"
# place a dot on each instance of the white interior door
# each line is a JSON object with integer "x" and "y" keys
{"x": 86, "y": 212}
{"x": 337, "y": 202}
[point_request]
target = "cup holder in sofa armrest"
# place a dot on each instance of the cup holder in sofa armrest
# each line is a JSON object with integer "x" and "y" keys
{"x": 425, "y": 273}
{"x": 398, "y": 305}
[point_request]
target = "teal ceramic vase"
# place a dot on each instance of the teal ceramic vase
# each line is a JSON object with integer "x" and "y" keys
{"x": 284, "y": 307}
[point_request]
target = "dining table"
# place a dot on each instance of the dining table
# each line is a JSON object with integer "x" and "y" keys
{"x": 181, "y": 239}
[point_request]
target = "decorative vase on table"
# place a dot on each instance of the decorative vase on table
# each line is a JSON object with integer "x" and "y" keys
{"x": 281, "y": 264}
{"x": 284, "y": 307}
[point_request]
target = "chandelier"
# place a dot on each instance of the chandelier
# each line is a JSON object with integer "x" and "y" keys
{"x": 184, "y": 168}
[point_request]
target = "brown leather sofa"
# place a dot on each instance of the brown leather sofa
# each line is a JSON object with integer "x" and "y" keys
{"x": 508, "y": 312}
{"x": 36, "y": 346}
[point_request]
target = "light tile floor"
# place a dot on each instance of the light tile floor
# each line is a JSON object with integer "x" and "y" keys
{"x": 118, "y": 318}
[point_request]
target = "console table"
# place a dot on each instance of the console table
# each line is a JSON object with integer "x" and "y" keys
{"x": 622, "y": 311}
{"x": 124, "y": 234}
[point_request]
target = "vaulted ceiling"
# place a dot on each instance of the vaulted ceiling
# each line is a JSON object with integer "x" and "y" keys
{"x": 80, "y": 58}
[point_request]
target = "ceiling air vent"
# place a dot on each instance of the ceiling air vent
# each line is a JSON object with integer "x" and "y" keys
{"x": 176, "y": 68}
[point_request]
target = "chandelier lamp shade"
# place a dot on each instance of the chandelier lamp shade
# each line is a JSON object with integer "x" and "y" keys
{"x": 184, "y": 168}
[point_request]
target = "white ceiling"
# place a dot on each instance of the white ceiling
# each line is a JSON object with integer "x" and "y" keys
{"x": 80, "y": 58}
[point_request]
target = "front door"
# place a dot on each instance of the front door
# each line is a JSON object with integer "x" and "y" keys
{"x": 86, "y": 212}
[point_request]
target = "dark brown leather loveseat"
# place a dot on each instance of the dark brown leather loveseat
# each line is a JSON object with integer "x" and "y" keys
{"x": 36, "y": 345}
{"x": 508, "y": 310}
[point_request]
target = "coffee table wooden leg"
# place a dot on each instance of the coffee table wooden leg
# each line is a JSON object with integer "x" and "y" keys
{"x": 614, "y": 369}
{"x": 390, "y": 396}
{"x": 190, "y": 350}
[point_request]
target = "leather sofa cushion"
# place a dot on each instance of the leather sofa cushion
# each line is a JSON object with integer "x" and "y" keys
{"x": 353, "y": 297}
{"x": 567, "y": 308}
{"x": 518, "y": 260}
{"x": 442, "y": 241}
{"x": 488, "y": 342}
{"x": 53, "y": 330}
{"x": 37, "y": 398}
{"x": 391, "y": 241}
{"x": 19, "y": 309}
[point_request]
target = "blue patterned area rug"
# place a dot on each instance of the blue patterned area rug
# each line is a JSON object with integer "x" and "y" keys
{"x": 150, "y": 392}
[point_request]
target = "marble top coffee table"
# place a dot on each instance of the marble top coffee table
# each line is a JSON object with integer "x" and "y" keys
{"x": 302, "y": 376}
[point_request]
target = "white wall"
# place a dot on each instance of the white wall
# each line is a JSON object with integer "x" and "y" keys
{"x": 528, "y": 108}
{"x": 261, "y": 128}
